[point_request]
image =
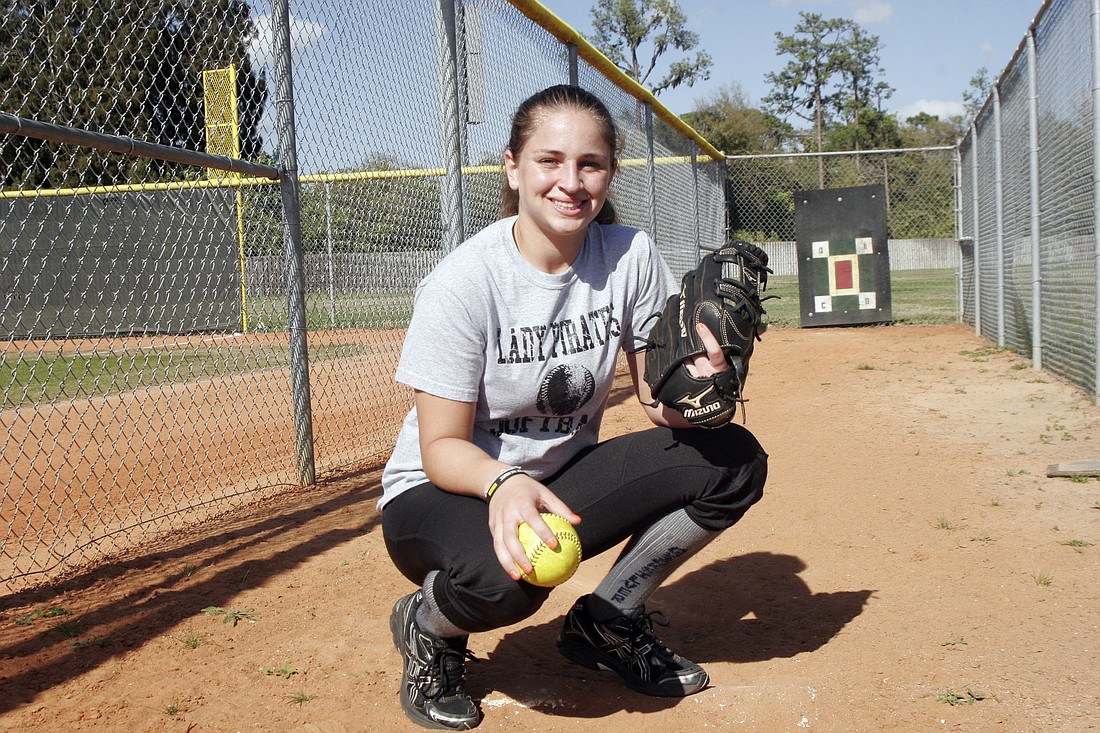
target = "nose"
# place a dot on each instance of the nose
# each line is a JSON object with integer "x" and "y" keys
{"x": 570, "y": 179}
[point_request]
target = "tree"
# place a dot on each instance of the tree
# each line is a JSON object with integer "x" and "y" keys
{"x": 805, "y": 86}
{"x": 876, "y": 129}
{"x": 64, "y": 65}
{"x": 859, "y": 67}
{"x": 731, "y": 124}
{"x": 629, "y": 30}
{"x": 196, "y": 37}
{"x": 925, "y": 130}
{"x": 121, "y": 67}
{"x": 979, "y": 90}
{"x": 922, "y": 195}
{"x": 753, "y": 193}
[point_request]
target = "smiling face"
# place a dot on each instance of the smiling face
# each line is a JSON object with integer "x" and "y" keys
{"x": 562, "y": 175}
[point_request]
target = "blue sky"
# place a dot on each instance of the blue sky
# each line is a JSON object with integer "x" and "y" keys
{"x": 931, "y": 47}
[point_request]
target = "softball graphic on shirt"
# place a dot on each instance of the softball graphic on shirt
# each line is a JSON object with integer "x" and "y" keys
{"x": 565, "y": 389}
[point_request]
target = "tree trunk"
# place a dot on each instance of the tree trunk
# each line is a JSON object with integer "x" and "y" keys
{"x": 820, "y": 123}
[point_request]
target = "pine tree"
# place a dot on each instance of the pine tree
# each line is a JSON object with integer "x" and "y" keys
{"x": 119, "y": 67}
{"x": 627, "y": 31}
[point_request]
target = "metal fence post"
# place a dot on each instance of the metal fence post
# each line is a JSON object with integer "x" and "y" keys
{"x": 958, "y": 229}
{"x": 450, "y": 125}
{"x": 723, "y": 198}
{"x": 572, "y": 58}
{"x": 292, "y": 236}
{"x": 1096, "y": 194}
{"x": 329, "y": 252}
{"x": 695, "y": 195}
{"x": 651, "y": 168}
{"x": 977, "y": 228}
{"x": 998, "y": 213}
{"x": 1033, "y": 194}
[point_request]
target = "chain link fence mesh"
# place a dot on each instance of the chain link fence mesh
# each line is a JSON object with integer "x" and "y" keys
{"x": 989, "y": 273}
{"x": 920, "y": 200}
{"x": 148, "y": 373}
{"x": 1028, "y": 200}
{"x": 1015, "y": 212}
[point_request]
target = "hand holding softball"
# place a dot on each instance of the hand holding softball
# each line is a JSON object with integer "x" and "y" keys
{"x": 551, "y": 566}
{"x": 523, "y": 501}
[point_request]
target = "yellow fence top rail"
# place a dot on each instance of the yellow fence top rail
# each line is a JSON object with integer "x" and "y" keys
{"x": 537, "y": 12}
{"x": 340, "y": 177}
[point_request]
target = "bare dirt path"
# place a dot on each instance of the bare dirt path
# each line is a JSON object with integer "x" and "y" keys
{"x": 909, "y": 553}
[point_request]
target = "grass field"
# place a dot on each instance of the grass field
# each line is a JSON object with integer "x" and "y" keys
{"x": 40, "y": 377}
{"x": 918, "y": 297}
{"x": 379, "y": 310}
{"x": 924, "y": 297}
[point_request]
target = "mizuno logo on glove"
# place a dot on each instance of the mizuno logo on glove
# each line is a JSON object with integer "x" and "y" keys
{"x": 695, "y": 402}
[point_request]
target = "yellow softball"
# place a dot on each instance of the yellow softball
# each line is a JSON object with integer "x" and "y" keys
{"x": 551, "y": 567}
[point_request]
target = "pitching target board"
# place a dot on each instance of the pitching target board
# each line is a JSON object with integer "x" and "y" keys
{"x": 843, "y": 261}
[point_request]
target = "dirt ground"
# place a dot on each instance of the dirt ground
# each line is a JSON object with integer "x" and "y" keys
{"x": 911, "y": 568}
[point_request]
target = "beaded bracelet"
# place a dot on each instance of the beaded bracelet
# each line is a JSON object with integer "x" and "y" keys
{"x": 504, "y": 476}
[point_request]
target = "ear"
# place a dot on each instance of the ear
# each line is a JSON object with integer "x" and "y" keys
{"x": 510, "y": 165}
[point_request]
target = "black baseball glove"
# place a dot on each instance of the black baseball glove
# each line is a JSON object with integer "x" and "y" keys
{"x": 723, "y": 293}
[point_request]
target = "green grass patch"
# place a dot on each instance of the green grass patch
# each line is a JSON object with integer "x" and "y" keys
{"x": 919, "y": 297}
{"x": 299, "y": 698}
{"x": 1042, "y": 578}
{"x": 286, "y": 671}
{"x": 37, "y": 378}
{"x": 953, "y": 698}
{"x": 51, "y": 612}
{"x": 172, "y": 709}
{"x": 340, "y": 310}
{"x": 33, "y": 378}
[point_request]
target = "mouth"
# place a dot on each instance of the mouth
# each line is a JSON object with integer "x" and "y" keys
{"x": 569, "y": 207}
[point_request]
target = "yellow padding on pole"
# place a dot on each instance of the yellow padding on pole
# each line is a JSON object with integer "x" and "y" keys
{"x": 220, "y": 105}
{"x": 223, "y": 137}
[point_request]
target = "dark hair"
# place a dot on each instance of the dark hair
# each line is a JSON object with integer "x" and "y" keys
{"x": 527, "y": 118}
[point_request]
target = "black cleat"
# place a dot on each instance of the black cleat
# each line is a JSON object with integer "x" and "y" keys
{"x": 627, "y": 645}
{"x": 433, "y": 683}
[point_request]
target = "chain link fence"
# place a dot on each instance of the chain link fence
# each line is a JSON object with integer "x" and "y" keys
{"x": 184, "y": 335}
{"x": 1028, "y": 199}
{"x": 920, "y": 200}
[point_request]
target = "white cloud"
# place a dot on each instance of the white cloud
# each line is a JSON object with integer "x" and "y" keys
{"x": 992, "y": 59}
{"x": 303, "y": 34}
{"x": 871, "y": 13}
{"x": 938, "y": 107}
{"x": 864, "y": 12}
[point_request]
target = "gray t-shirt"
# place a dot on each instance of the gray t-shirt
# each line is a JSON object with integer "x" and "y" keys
{"x": 537, "y": 352}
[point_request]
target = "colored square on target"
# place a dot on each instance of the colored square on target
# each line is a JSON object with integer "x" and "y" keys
{"x": 842, "y": 274}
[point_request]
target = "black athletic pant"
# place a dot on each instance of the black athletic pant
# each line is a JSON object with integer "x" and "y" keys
{"x": 618, "y": 487}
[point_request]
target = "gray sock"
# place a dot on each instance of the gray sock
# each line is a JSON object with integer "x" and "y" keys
{"x": 647, "y": 560}
{"x": 430, "y": 619}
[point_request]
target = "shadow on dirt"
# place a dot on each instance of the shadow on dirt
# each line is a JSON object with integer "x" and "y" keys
{"x": 118, "y": 606}
{"x": 622, "y": 391}
{"x": 743, "y": 609}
